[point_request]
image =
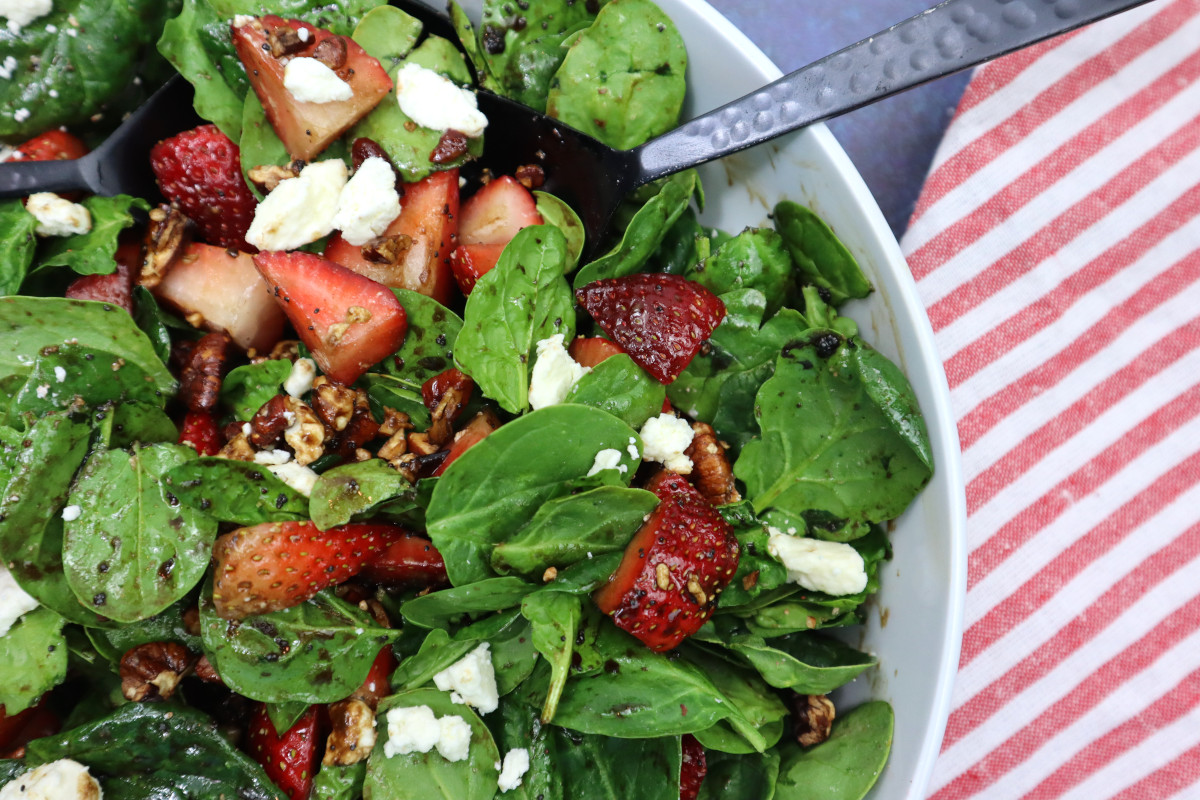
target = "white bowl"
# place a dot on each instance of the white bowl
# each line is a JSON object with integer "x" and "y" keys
{"x": 915, "y": 628}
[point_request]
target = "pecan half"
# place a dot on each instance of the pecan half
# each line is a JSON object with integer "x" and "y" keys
{"x": 154, "y": 669}
{"x": 266, "y": 177}
{"x": 237, "y": 448}
{"x": 284, "y": 41}
{"x": 813, "y": 718}
{"x": 331, "y": 52}
{"x": 711, "y": 472}
{"x": 333, "y": 402}
{"x": 531, "y": 176}
{"x": 200, "y": 383}
{"x": 352, "y": 733}
{"x": 305, "y": 433}
{"x": 269, "y": 422}
{"x": 166, "y": 237}
{"x": 206, "y": 672}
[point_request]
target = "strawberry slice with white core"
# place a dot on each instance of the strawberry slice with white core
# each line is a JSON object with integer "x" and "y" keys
{"x": 495, "y": 213}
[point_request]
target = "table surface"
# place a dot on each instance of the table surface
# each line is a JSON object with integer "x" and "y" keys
{"x": 794, "y": 33}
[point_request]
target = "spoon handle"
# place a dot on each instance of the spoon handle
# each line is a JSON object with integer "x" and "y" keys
{"x": 952, "y": 36}
{"x": 19, "y": 178}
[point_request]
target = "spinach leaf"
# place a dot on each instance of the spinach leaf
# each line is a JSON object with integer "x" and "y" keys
{"x": 133, "y": 550}
{"x": 74, "y": 61}
{"x": 284, "y": 715}
{"x": 572, "y": 528}
{"x": 805, "y": 661}
{"x": 428, "y": 347}
{"x": 73, "y": 378}
{"x": 337, "y": 782}
{"x": 317, "y": 652}
{"x": 240, "y": 492}
{"x": 388, "y": 34}
{"x": 450, "y": 606}
{"x": 17, "y": 246}
{"x": 847, "y": 764}
{"x": 30, "y": 324}
{"x": 555, "y": 619}
{"x": 33, "y": 659}
{"x": 645, "y": 232}
{"x": 754, "y": 259}
{"x": 622, "y": 388}
{"x": 586, "y": 576}
{"x": 756, "y": 702}
{"x": 519, "y": 302}
{"x": 353, "y": 490}
{"x": 492, "y": 489}
{"x": 512, "y": 652}
{"x": 136, "y": 422}
{"x": 92, "y": 253}
{"x": 826, "y": 444}
{"x": 684, "y": 244}
{"x": 757, "y": 571}
{"x": 438, "y": 650}
{"x": 152, "y": 321}
{"x": 622, "y": 80}
{"x": 819, "y": 255}
{"x": 740, "y": 777}
{"x": 557, "y": 213}
{"x": 387, "y": 391}
{"x": 167, "y": 626}
{"x": 247, "y": 388}
{"x": 430, "y": 775}
{"x": 158, "y": 750}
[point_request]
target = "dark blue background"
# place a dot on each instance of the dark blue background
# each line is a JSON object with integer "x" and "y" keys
{"x": 891, "y": 142}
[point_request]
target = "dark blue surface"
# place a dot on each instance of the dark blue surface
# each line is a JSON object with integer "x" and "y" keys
{"x": 892, "y": 142}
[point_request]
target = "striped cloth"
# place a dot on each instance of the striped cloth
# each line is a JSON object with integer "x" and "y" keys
{"x": 1056, "y": 245}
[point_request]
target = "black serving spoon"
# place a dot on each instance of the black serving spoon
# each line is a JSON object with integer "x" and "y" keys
{"x": 592, "y": 177}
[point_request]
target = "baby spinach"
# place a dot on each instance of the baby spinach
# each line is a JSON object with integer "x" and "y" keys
{"x": 240, "y": 492}
{"x": 17, "y": 246}
{"x": 604, "y": 768}
{"x": 848, "y": 763}
{"x": 318, "y": 651}
{"x": 740, "y": 777}
{"x": 247, "y": 388}
{"x": 685, "y": 243}
{"x": 488, "y": 493}
{"x": 754, "y": 259}
{"x": 74, "y": 378}
{"x": 166, "y": 626}
{"x": 754, "y": 700}
{"x": 92, "y": 253}
{"x": 33, "y": 659}
{"x": 338, "y": 782}
{"x": 430, "y": 775}
{"x": 357, "y": 489}
{"x": 133, "y": 550}
{"x": 757, "y": 571}
{"x": 557, "y": 213}
{"x": 428, "y": 347}
{"x": 805, "y": 662}
{"x": 819, "y": 255}
{"x": 388, "y": 34}
{"x": 137, "y": 422}
{"x": 387, "y": 391}
{"x": 572, "y": 528}
{"x": 622, "y": 388}
{"x": 622, "y": 80}
{"x": 512, "y": 652}
{"x": 523, "y": 299}
{"x": 449, "y": 607}
{"x": 826, "y": 444}
{"x": 438, "y": 650}
{"x": 152, "y": 321}
{"x": 555, "y": 619}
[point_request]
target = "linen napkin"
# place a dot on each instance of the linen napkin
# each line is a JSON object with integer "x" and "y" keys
{"x": 1056, "y": 245}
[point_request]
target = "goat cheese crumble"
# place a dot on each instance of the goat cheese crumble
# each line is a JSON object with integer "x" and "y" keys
{"x": 607, "y": 458}
{"x": 415, "y": 729}
{"x": 57, "y": 216}
{"x": 471, "y": 680}
{"x": 664, "y": 439}
{"x": 14, "y": 601}
{"x": 516, "y": 764}
{"x": 434, "y": 101}
{"x": 300, "y": 210}
{"x": 310, "y": 81}
{"x": 554, "y": 373}
{"x": 369, "y": 202}
{"x": 63, "y": 779}
{"x": 22, "y": 12}
{"x": 834, "y": 568}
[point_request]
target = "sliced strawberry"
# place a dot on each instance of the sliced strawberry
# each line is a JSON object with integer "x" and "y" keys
{"x": 35, "y": 722}
{"x": 477, "y": 430}
{"x": 695, "y": 767}
{"x": 452, "y": 382}
{"x": 52, "y": 145}
{"x": 289, "y": 760}
{"x": 674, "y": 568}
{"x": 429, "y": 221}
{"x": 591, "y": 350}
{"x": 375, "y": 686}
{"x": 660, "y": 320}
{"x": 347, "y": 321}
{"x": 470, "y": 262}
{"x": 495, "y": 213}
{"x": 115, "y": 288}
{"x": 199, "y": 431}
{"x": 410, "y": 560}
{"x": 220, "y": 290}
{"x": 307, "y": 128}
{"x": 201, "y": 171}
{"x": 277, "y": 565}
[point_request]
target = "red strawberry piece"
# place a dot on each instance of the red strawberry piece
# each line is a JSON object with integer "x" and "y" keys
{"x": 495, "y": 213}
{"x": 52, "y": 145}
{"x": 591, "y": 350}
{"x": 695, "y": 767}
{"x": 375, "y": 686}
{"x": 115, "y": 288}
{"x": 410, "y": 560}
{"x": 470, "y": 262}
{"x": 426, "y": 228}
{"x": 199, "y": 431}
{"x": 476, "y": 431}
{"x": 219, "y": 289}
{"x": 276, "y": 565}
{"x": 18, "y": 730}
{"x": 674, "y": 568}
{"x": 660, "y": 320}
{"x": 289, "y": 760}
{"x": 347, "y": 321}
{"x": 201, "y": 170}
{"x": 449, "y": 382}
{"x": 307, "y": 128}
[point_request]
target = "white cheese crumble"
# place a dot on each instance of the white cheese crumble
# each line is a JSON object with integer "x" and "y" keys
{"x": 632, "y": 449}
{"x": 369, "y": 202}
{"x": 57, "y": 216}
{"x": 60, "y": 374}
{"x": 242, "y": 20}
{"x": 21, "y": 114}
{"x": 302, "y": 34}
{"x": 607, "y": 458}
{"x": 434, "y": 101}
{"x": 300, "y": 379}
{"x": 63, "y": 779}
{"x": 415, "y": 729}
{"x": 22, "y": 12}
{"x": 471, "y": 680}
{"x": 300, "y": 210}
{"x": 834, "y": 568}
{"x": 554, "y": 373}
{"x": 516, "y": 764}
{"x": 7, "y": 153}
{"x": 664, "y": 438}
{"x": 71, "y": 513}
{"x": 43, "y": 390}
{"x": 8, "y": 68}
{"x": 272, "y": 458}
{"x": 297, "y": 476}
{"x": 310, "y": 81}
{"x": 15, "y": 602}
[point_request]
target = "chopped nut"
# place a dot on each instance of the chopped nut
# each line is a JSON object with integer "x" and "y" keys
{"x": 360, "y": 429}
{"x": 352, "y": 735}
{"x": 750, "y": 580}
{"x": 285, "y": 349}
{"x": 455, "y": 389}
{"x": 206, "y": 672}
{"x": 419, "y": 443}
{"x": 531, "y": 176}
{"x": 812, "y": 718}
{"x": 696, "y": 590}
{"x": 362, "y": 454}
{"x": 331, "y": 52}
{"x": 394, "y": 421}
{"x": 387, "y": 249}
{"x": 200, "y": 383}
{"x": 354, "y": 314}
{"x": 550, "y": 574}
{"x": 394, "y": 447}
{"x": 714, "y": 477}
{"x": 266, "y": 177}
{"x": 166, "y": 237}
{"x": 333, "y": 402}
{"x": 154, "y": 669}
{"x": 269, "y": 422}
{"x": 662, "y": 576}
{"x": 284, "y": 41}
{"x": 238, "y": 448}
{"x": 191, "y": 620}
{"x": 306, "y": 434}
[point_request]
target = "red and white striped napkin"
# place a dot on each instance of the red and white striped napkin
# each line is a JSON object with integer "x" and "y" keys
{"x": 1056, "y": 245}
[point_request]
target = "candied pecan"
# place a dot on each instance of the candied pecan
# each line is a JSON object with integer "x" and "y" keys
{"x": 414, "y": 467}
{"x": 394, "y": 421}
{"x": 166, "y": 237}
{"x": 269, "y": 422}
{"x": 455, "y": 389}
{"x": 362, "y": 454}
{"x": 285, "y": 349}
{"x": 386, "y": 249}
{"x": 206, "y": 672}
{"x": 237, "y": 449}
{"x": 352, "y": 733}
{"x": 331, "y": 52}
{"x": 394, "y": 447}
{"x": 359, "y": 428}
{"x": 452, "y": 145}
{"x": 420, "y": 444}
{"x": 333, "y": 402}
{"x": 154, "y": 669}
{"x": 305, "y": 433}
{"x": 200, "y": 383}
{"x": 813, "y": 718}
{"x": 711, "y": 472}
{"x": 531, "y": 176}
{"x": 285, "y": 41}
{"x": 266, "y": 177}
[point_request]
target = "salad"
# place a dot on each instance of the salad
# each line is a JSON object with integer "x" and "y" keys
{"x": 339, "y": 475}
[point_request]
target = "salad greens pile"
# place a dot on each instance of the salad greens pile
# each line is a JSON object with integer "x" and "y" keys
{"x": 109, "y": 523}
